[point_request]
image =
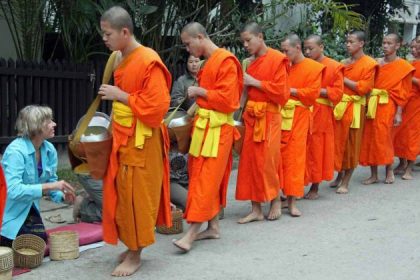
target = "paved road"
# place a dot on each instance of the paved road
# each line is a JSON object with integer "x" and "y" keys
{"x": 371, "y": 233}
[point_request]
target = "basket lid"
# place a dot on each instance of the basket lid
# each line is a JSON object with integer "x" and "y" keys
{"x": 4, "y": 251}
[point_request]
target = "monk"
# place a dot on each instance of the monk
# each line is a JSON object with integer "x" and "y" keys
{"x": 305, "y": 86}
{"x": 359, "y": 77}
{"x": 3, "y": 194}
{"x": 136, "y": 186}
{"x": 320, "y": 157}
{"x": 266, "y": 79}
{"x": 407, "y": 135}
{"x": 392, "y": 89}
{"x": 220, "y": 83}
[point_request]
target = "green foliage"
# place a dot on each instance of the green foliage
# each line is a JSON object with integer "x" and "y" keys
{"x": 25, "y": 19}
{"x": 158, "y": 22}
{"x": 378, "y": 15}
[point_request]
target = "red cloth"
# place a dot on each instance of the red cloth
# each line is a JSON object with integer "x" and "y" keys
{"x": 306, "y": 77}
{"x": 377, "y": 147}
{"x": 260, "y": 162}
{"x": 143, "y": 75}
{"x": 222, "y": 77}
{"x": 320, "y": 150}
{"x": 407, "y": 135}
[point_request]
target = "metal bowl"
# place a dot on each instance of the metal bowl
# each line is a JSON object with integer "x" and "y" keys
{"x": 181, "y": 118}
{"x": 97, "y": 129}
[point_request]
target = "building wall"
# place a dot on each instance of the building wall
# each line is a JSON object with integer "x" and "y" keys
{"x": 411, "y": 20}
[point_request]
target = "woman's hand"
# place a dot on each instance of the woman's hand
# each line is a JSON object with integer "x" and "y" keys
{"x": 63, "y": 186}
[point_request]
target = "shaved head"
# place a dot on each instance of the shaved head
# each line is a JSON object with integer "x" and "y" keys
{"x": 118, "y": 18}
{"x": 252, "y": 28}
{"x": 294, "y": 40}
{"x": 360, "y": 35}
{"x": 316, "y": 38}
{"x": 193, "y": 29}
{"x": 397, "y": 38}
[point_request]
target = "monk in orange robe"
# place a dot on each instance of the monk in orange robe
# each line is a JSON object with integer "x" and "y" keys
{"x": 407, "y": 135}
{"x": 3, "y": 194}
{"x": 320, "y": 150}
{"x": 359, "y": 77}
{"x": 210, "y": 157}
{"x": 266, "y": 79}
{"x": 392, "y": 89}
{"x": 136, "y": 186}
{"x": 305, "y": 85}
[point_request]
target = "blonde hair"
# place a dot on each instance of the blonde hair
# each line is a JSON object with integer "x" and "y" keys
{"x": 31, "y": 120}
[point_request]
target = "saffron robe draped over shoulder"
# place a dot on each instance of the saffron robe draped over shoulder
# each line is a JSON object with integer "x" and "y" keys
{"x": 260, "y": 160}
{"x": 306, "y": 78}
{"x": 3, "y": 194}
{"x": 377, "y": 142}
{"x": 222, "y": 78}
{"x": 347, "y": 139}
{"x": 320, "y": 150}
{"x": 407, "y": 135}
{"x": 136, "y": 186}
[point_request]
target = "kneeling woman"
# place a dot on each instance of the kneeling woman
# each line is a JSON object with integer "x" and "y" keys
{"x": 30, "y": 165}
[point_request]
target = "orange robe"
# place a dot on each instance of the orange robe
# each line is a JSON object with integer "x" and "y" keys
{"x": 347, "y": 139}
{"x": 320, "y": 157}
{"x": 3, "y": 195}
{"x": 259, "y": 164}
{"x": 306, "y": 77}
{"x": 377, "y": 147}
{"x": 407, "y": 135}
{"x": 222, "y": 77}
{"x": 136, "y": 186}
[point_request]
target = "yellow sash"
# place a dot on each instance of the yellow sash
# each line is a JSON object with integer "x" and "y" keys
{"x": 123, "y": 115}
{"x": 288, "y": 112}
{"x": 373, "y": 101}
{"x": 258, "y": 110}
{"x": 341, "y": 108}
{"x": 324, "y": 101}
{"x": 215, "y": 120}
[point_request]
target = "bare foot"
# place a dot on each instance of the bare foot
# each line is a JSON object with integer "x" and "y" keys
{"x": 183, "y": 245}
{"x": 251, "y": 217}
{"x": 390, "y": 178}
{"x": 399, "y": 170}
{"x": 210, "y": 233}
{"x": 130, "y": 264}
{"x": 294, "y": 211}
{"x": 342, "y": 190}
{"x": 312, "y": 195}
{"x": 275, "y": 210}
{"x": 122, "y": 256}
{"x": 407, "y": 175}
{"x": 337, "y": 180}
{"x": 370, "y": 181}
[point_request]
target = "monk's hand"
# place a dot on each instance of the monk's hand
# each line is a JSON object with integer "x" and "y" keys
{"x": 194, "y": 92}
{"x": 324, "y": 93}
{"x": 397, "y": 119}
{"x": 109, "y": 92}
{"x": 250, "y": 81}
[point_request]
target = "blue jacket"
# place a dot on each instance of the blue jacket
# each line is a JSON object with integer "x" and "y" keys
{"x": 24, "y": 186}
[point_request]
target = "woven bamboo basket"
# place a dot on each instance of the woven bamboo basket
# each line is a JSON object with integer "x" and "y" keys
{"x": 28, "y": 250}
{"x": 6, "y": 263}
{"x": 176, "y": 224}
{"x": 64, "y": 245}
